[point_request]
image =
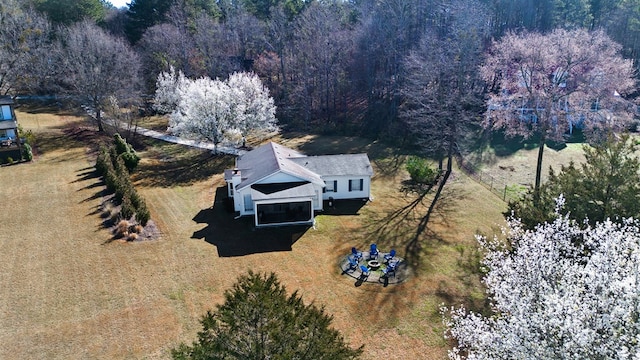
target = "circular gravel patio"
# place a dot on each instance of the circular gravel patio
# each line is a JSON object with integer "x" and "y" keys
{"x": 376, "y": 275}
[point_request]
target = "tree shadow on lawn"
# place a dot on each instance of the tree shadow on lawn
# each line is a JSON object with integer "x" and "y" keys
{"x": 412, "y": 228}
{"x": 343, "y": 207}
{"x": 167, "y": 168}
{"x": 378, "y": 152}
{"x": 48, "y": 105}
{"x": 68, "y": 136}
{"x": 503, "y": 145}
{"x": 87, "y": 174}
{"x": 239, "y": 237}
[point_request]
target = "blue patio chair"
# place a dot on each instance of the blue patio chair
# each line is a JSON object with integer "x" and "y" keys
{"x": 356, "y": 254}
{"x": 373, "y": 252}
{"x": 353, "y": 263}
{"x": 388, "y": 270}
{"x": 365, "y": 270}
{"x": 393, "y": 264}
{"x": 388, "y": 257}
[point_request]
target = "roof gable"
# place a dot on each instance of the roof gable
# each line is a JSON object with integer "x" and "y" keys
{"x": 269, "y": 159}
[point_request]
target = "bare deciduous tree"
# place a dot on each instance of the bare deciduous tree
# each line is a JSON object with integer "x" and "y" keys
{"x": 546, "y": 84}
{"x": 321, "y": 45}
{"x": 24, "y": 43}
{"x": 94, "y": 66}
{"x": 442, "y": 92}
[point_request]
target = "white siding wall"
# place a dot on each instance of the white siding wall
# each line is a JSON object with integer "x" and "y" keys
{"x": 241, "y": 197}
{"x": 343, "y": 192}
{"x": 238, "y": 201}
{"x": 279, "y": 178}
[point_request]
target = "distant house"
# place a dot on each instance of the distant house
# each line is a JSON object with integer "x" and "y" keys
{"x": 280, "y": 186}
{"x": 9, "y": 140}
{"x": 8, "y": 122}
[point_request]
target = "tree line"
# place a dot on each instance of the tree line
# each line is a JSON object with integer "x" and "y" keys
{"x": 335, "y": 66}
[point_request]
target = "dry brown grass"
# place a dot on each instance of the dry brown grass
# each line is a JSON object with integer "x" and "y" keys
{"x": 520, "y": 168}
{"x": 158, "y": 123}
{"x": 66, "y": 293}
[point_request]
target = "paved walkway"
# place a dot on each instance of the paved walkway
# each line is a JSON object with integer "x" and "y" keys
{"x": 188, "y": 142}
{"x": 224, "y": 149}
{"x": 376, "y": 275}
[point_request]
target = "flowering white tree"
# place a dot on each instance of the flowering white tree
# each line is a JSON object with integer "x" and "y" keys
{"x": 253, "y": 108}
{"x": 203, "y": 110}
{"x": 166, "y": 98}
{"x": 558, "y": 292}
{"x": 215, "y": 110}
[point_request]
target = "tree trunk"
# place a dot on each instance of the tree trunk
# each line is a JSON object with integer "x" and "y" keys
{"x": 283, "y": 89}
{"x": 99, "y": 119}
{"x": 536, "y": 188}
{"x": 450, "y": 157}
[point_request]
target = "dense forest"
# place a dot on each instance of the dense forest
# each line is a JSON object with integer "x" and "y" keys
{"x": 333, "y": 66}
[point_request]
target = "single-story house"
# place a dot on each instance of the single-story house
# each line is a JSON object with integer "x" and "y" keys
{"x": 280, "y": 186}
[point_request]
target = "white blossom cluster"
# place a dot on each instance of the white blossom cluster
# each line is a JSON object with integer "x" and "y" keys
{"x": 558, "y": 292}
{"x": 215, "y": 110}
{"x": 166, "y": 98}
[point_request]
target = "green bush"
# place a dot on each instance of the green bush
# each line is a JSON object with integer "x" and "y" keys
{"x": 115, "y": 168}
{"x": 136, "y": 200}
{"x": 111, "y": 180}
{"x": 143, "y": 215}
{"x": 121, "y": 191}
{"x": 126, "y": 152}
{"x": 131, "y": 160}
{"x": 420, "y": 170}
{"x": 27, "y": 152}
{"x": 28, "y": 136}
{"x": 118, "y": 164}
{"x": 126, "y": 210}
{"x": 120, "y": 144}
{"x": 103, "y": 161}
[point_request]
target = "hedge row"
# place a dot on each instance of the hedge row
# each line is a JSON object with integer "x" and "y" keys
{"x": 115, "y": 172}
{"x": 126, "y": 152}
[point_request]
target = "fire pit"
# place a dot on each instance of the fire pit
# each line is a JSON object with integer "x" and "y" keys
{"x": 374, "y": 264}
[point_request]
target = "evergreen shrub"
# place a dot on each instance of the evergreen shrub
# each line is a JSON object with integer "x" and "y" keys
{"x": 420, "y": 170}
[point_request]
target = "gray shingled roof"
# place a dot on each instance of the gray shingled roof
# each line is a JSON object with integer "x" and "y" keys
{"x": 269, "y": 159}
{"x": 337, "y": 165}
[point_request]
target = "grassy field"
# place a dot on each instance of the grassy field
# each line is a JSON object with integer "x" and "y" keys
{"x": 68, "y": 292}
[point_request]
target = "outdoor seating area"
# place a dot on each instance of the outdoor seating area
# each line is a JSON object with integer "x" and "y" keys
{"x": 374, "y": 266}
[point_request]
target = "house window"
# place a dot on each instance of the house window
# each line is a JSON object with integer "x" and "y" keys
{"x": 356, "y": 185}
{"x": 5, "y": 114}
{"x": 331, "y": 186}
